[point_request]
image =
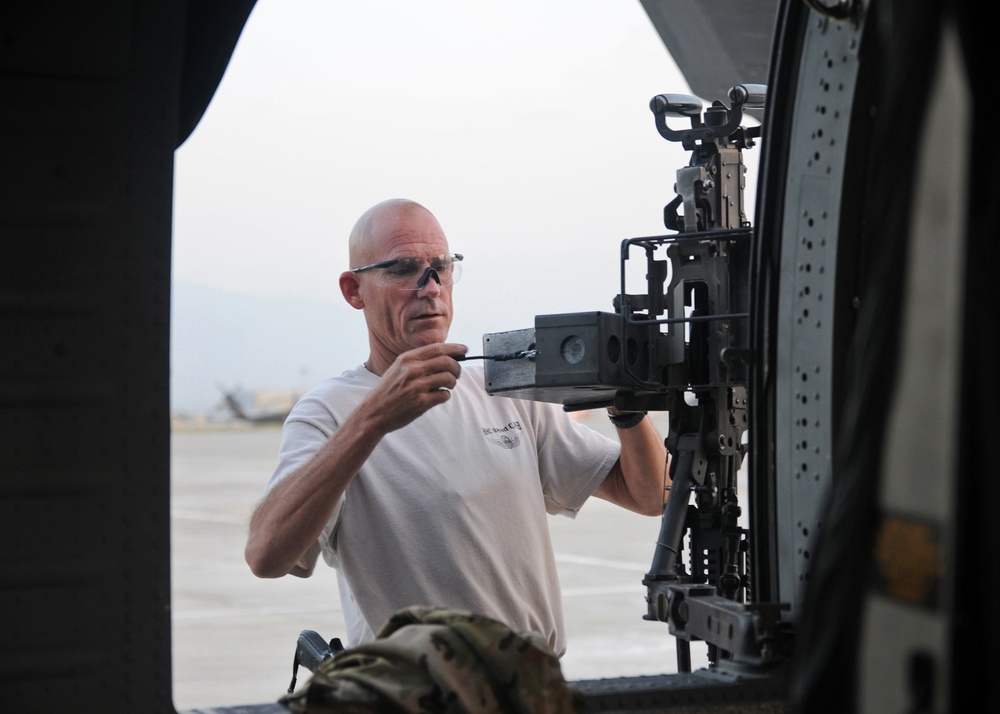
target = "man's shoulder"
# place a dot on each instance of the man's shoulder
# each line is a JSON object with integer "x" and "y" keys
{"x": 333, "y": 391}
{"x": 352, "y": 377}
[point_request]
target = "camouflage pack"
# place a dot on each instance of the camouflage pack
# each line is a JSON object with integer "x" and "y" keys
{"x": 428, "y": 659}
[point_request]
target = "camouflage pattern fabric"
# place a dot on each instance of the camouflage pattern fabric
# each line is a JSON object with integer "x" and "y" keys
{"x": 435, "y": 660}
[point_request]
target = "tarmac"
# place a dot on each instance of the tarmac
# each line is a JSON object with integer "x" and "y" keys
{"x": 234, "y": 635}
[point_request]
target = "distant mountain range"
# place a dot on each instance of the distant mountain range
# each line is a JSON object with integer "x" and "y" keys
{"x": 228, "y": 340}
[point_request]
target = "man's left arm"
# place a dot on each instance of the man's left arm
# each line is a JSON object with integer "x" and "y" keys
{"x": 638, "y": 479}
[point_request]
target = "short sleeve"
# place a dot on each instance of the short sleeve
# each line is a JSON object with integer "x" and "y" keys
{"x": 573, "y": 459}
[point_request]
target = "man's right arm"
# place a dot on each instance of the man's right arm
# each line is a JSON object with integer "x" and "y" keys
{"x": 287, "y": 523}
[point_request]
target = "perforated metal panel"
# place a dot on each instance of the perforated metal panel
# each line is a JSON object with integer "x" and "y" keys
{"x": 806, "y": 302}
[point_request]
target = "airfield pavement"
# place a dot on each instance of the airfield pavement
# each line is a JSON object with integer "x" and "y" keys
{"x": 234, "y": 635}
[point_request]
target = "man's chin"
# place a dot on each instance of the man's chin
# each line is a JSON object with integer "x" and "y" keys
{"x": 429, "y": 335}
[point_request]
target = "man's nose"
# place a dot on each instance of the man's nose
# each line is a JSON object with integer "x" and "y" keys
{"x": 430, "y": 281}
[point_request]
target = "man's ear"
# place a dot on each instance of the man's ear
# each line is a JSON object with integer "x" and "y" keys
{"x": 350, "y": 288}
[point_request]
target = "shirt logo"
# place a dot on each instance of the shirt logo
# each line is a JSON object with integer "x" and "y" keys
{"x": 506, "y": 437}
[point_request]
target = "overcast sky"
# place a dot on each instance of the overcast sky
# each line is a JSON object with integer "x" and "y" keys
{"x": 523, "y": 125}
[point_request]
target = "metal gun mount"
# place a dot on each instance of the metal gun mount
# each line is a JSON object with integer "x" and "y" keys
{"x": 711, "y": 186}
{"x": 693, "y": 363}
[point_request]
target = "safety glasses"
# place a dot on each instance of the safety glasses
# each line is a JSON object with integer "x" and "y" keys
{"x": 413, "y": 273}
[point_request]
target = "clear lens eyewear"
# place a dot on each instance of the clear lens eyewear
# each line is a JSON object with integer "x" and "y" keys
{"x": 413, "y": 273}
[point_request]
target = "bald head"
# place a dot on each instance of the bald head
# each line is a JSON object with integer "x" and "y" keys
{"x": 398, "y": 319}
{"x": 377, "y": 225}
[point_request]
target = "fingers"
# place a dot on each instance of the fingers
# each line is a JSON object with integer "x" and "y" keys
{"x": 429, "y": 361}
{"x": 417, "y": 381}
{"x": 447, "y": 349}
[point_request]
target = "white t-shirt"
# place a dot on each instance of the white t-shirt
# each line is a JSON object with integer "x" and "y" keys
{"x": 451, "y": 509}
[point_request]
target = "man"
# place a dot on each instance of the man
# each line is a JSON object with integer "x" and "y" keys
{"x": 418, "y": 486}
